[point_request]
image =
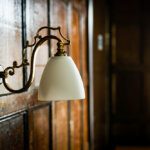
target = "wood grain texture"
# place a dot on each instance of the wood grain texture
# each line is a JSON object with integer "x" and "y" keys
{"x": 11, "y": 39}
{"x": 39, "y": 128}
{"x": 58, "y": 17}
{"x": 75, "y": 107}
{"x": 75, "y": 37}
{"x": 12, "y": 134}
{"x": 75, "y": 127}
{"x": 60, "y": 124}
{"x": 83, "y": 58}
{"x": 17, "y": 102}
{"x": 36, "y": 16}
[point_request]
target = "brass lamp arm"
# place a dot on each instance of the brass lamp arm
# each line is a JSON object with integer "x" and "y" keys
{"x": 36, "y": 44}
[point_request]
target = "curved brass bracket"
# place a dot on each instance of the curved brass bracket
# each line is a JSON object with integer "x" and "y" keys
{"x": 38, "y": 36}
{"x": 38, "y": 40}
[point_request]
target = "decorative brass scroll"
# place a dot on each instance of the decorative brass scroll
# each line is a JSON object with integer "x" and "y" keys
{"x": 38, "y": 40}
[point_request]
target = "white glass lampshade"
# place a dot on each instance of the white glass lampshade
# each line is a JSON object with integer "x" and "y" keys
{"x": 61, "y": 80}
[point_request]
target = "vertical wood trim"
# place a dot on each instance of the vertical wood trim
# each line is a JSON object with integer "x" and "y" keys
{"x": 81, "y": 128}
{"x": 90, "y": 69}
{"x": 69, "y": 118}
{"x": 48, "y": 22}
{"x": 141, "y": 53}
{"x": 50, "y": 106}
{"x": 50, "y": 127}
{"x": 26, "y": 130}
{"x": 108, "y": 81}
{"x": 81, "y": 72}
{"x": 54, "y": 125}
{"x": 68, "y": 102}
{"x": 24, "y": 37}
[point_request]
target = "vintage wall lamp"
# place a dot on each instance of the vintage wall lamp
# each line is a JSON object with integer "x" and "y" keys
{"x": 60, "y": 79}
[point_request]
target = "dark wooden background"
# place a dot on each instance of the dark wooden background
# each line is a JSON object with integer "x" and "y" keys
{"x": 122, "y": 73}
{"x": 24, "y": 122}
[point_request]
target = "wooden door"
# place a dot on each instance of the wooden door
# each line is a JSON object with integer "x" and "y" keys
{"x": 130, "y": 72}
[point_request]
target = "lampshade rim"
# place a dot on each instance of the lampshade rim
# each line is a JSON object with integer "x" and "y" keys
{"x": 49, "y": 100}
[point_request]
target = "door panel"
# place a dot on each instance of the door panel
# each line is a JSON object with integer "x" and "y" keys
{"x": 12, "y": 133}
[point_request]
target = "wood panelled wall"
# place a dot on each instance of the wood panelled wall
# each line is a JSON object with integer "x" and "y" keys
{"x": 26, "y": 123}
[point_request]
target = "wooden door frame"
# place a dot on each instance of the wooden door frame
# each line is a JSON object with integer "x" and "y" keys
{"x": 90, "y": 74}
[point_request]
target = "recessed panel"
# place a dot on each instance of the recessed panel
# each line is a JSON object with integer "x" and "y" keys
{"x": 12, "y": 134}
{"x": 127, "y": 44}
{"x": 128, "y": 94}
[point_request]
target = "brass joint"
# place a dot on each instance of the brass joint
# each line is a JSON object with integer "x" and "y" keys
{"x": 60, "y": 49}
